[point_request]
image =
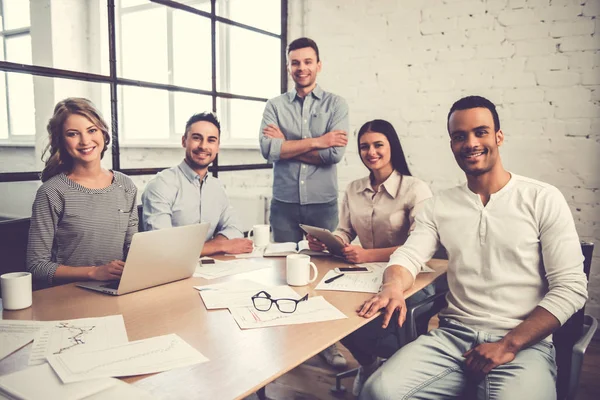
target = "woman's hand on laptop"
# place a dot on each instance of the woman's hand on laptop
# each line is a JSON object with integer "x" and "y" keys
{"x": 107, "y": 272}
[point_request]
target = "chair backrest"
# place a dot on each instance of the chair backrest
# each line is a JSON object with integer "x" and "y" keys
{"x": 566, "y": 336}
{"x": 13, "y": 245}
{"x": 140, "y": 211}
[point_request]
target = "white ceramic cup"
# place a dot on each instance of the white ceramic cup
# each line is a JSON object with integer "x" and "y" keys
{"x": 298, "y": 268}
{"x": 261, "y": 234}
{"x": 16, "y": 290}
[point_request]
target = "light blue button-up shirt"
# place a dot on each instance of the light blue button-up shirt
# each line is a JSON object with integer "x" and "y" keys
{"x": 318, "y": 113}
{"x": 177, "y": 197}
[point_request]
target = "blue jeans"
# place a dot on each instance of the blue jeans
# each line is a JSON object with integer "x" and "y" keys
{"x": 431, "y": 367}
{"x": 371, "y": 340}
{"x": 285, "y": 218}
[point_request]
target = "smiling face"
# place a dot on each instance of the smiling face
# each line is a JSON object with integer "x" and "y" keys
{"x": 303, "y": 67}
{"x": 375, "y": 151}
{"x": 201, "y": 143}
{"x": 473, "y": 141}
{"x": 83, "y": 140}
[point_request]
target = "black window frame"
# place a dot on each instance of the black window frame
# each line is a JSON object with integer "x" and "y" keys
{"x": 115, "y": 82}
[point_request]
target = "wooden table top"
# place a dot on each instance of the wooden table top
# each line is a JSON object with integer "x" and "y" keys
{"x": 241, "y": 361}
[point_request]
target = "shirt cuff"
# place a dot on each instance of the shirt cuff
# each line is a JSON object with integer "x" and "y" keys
{"x": 342, "y": 235}
{"x": 231, "y": 233}
{"x": 275, "y": 149}
{"x": 403, "y": 261}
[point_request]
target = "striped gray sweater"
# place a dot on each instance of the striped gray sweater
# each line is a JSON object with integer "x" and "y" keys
{"x": 76, "y": 226}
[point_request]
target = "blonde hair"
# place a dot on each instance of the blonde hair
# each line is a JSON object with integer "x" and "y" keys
{"x": 59, "y": 159}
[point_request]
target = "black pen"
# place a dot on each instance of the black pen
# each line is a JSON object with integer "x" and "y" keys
{"x": 333, "y": 278}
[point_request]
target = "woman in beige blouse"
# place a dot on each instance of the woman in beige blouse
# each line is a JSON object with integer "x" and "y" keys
{"x": 380, "y": 209}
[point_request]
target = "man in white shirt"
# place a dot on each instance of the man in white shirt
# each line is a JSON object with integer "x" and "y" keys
{"x": 515, "y": 275}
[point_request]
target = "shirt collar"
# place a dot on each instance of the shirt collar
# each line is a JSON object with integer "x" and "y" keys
{"x": 317, "y": 92}
{"x": 391, "y": 184}
{"x": 190, "y": 174}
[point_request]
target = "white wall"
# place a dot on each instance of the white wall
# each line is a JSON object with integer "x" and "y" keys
{"x": 408, "y": 61}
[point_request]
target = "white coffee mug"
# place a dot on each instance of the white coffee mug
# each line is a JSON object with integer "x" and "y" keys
{"x": 16, "y": 290}
{"x": 298, "y": 268}
{"x": 261, "y": 235}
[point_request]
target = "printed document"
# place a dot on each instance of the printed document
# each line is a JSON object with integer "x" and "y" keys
{"x": 40, "y": 382}
{"x": 77, "y": 336}
{"x": 239, "y": 293}
{"x": 16, "y": 334}
{"x": 315, "y": 309}
{"x": 367, "y": 282}
{"x": 226, "y": 268}
{"x": 157, "y": 354}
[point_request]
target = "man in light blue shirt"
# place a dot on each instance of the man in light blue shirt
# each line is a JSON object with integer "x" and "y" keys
{"x": 303, "y": 132}
{"x": 187, "y": 194}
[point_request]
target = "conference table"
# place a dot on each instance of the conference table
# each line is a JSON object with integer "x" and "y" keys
{"x": 241, "y": 361}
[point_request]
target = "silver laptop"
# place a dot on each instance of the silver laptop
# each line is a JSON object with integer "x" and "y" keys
{"x": 155, "y": 258}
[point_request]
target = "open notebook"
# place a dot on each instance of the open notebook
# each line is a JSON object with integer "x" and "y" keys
{"x": 284, "y": 249}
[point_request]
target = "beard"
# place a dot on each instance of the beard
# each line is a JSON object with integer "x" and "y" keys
{"x": 197, "y": 165}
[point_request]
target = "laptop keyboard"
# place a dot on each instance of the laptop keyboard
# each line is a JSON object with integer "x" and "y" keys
{"x": 112, "y": 285}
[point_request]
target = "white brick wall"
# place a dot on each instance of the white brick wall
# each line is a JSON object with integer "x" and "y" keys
{"x": 407, "y": 61}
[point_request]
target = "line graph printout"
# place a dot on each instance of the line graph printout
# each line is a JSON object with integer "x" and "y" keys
{"x": 77, "y": 336}
{"x": 157, "y": 354}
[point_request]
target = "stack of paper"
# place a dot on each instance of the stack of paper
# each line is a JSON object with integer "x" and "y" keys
{"x": 84, "y": 353}
{"x": 226, "y": 268}
{"x": 239, "y": 293}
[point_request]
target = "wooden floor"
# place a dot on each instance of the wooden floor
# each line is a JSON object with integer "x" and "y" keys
{"x": 313, "y": 379}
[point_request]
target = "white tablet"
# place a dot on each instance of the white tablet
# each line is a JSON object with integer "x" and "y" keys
{"x": 333, "y": 244}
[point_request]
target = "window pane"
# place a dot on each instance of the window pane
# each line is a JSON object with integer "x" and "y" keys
{"x": 263, "y": 14}
{"x": 21, "y": 107}
{"x": 18, "y": 49}
{"x": 69, "y": 35}
{"x": 3, "y": 114}
{"x": 191, "y": 50}
{"x": 202, "y": 5}
{"x": 186, "y": 105}
{"x": 240, "y": 71}
{"x": 16, "y": 14}
{"x": 241, "y": 119}
{"x": 130, "y": 3}
{"x": 143, "y": 53}
{"x": 145, "y": 115}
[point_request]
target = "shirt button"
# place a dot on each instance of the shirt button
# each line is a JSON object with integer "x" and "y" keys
{"x": 304, "y": 166}
{"x": 302, "y": 182}
{"x": 305, "y": 121}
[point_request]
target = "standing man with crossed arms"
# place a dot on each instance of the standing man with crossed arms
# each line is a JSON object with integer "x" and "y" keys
{"x": 304, "y": 134}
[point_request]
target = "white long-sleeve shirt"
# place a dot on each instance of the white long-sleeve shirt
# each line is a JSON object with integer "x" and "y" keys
{"x": 519, "y": 251}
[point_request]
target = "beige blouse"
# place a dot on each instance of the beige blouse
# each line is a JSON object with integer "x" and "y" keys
{"x": 383, "y": 218}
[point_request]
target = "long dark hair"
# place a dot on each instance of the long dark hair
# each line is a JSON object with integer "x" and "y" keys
{"x": 385, "y": 128}
{"x": 59, "y": 159}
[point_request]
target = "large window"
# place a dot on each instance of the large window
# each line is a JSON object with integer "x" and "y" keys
{"x": 147, "y": 65}
{"x": 16, "y": 90}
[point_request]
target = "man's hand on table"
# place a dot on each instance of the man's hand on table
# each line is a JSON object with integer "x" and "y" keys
{"x": 391, "y": 297}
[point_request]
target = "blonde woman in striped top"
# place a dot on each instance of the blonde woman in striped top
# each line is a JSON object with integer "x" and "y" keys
{"x": 83, "y": 216}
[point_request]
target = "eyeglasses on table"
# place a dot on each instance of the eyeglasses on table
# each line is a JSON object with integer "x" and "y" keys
{"x": 263, "y": 301}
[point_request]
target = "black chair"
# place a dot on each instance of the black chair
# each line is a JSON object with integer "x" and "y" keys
{"x": 13, "y": 245}
{"x": 572, "y": 339}
{"x": 416, "y": 323}
{"x": 140, "y": 211}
